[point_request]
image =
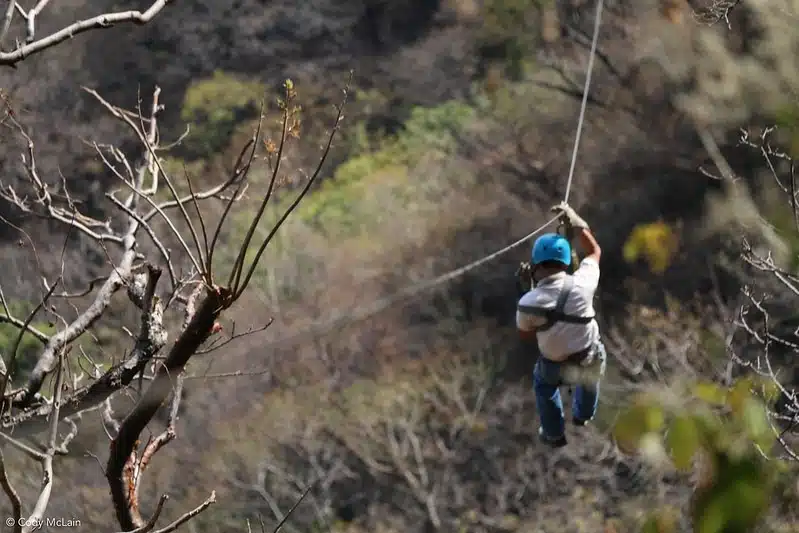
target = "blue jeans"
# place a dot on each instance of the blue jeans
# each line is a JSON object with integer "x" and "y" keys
{"x": 548, "y": 376}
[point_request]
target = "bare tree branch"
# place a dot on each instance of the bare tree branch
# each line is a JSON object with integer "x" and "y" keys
{"x": 16, "y": 503}
{"x": 8, "y": 318}
{"x": 27, "y": 412}
{"x": 152, "y": 337}
{"x": 189, "y": 515}
{"x": 756, "y": 317}
{"x": 233, "y": 336}
{"x": 136, "y": 466}
{"x": 95, "y": 229}
{"x": 289, "y": 115}
{"x": 150, "y": 525}
{"x": 34, "y": 46}
{"x": 200, "y": 324}
{"x": 7, "y": 17}
{"x": 11, "y": 365}
{"x": 717, "y": 11}
{"x": 52, "y": 445}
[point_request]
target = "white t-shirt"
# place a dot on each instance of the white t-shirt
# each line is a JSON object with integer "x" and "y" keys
{"x": 563, "y": 338}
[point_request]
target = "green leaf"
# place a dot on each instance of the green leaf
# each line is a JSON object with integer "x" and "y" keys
{"x": 683, "y": 441}
{"x": 755, "y": 420}
{"x": 737, "y": 499}
{"x": 737, "y": 396}
{"x": 655, "y": 418}
{"x": 771, "y": 391}
{"x": 710, "y": 393}
{"x": 709, "y": 518}
{"x": 637, "y": 421}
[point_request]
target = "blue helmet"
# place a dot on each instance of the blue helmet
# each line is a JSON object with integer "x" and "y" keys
{"x": 552, "y": 247}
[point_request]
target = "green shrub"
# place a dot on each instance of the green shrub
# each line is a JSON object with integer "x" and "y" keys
{"x": 342, "y": 203}
{"x": 214, "y": 106}
{"x": 365, "y": 191}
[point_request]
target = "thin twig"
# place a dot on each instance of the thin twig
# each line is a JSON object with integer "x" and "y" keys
{"x": 189, "y": 515}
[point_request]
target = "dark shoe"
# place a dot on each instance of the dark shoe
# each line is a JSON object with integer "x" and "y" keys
{"x": 580, "y": 421}
{"x": 554, "y": 442}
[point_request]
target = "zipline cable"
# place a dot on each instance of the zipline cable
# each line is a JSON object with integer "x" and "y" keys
{"x": 584, "y": 103}
{"x": 362, "y": 313}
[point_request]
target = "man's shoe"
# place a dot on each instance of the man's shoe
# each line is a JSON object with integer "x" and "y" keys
{"x": 580, "y": 421}
{"x": 554, "y": 442}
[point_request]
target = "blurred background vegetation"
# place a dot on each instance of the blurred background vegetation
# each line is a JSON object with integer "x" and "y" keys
{"x": 457, "y": 141}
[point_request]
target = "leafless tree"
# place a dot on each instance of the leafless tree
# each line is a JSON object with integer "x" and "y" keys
{"x": 765, "y": 316}
{"x": 28, "y": 42}
{"x": 201, "y": 296}
{"x": 763, "y": 339}
{"x": 771, "y": 340}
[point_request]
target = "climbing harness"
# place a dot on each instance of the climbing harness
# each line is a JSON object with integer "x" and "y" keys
{"x": 557, "y": 314}
{"x": 357, "y": 315}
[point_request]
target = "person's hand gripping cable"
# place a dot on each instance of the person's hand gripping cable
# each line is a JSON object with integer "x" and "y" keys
{"x": 572, "y": 224}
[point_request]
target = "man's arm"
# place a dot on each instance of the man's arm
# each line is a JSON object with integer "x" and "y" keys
{"x": 589, "y": 244}
{"x": 587, "y": 274}
{"x": 588, "y": 271}
{"x": 580, "y": 227}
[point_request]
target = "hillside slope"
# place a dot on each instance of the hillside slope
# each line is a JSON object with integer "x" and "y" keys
{"x": 419, "y": 417}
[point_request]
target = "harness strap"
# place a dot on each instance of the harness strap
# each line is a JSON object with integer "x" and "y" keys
{"x": 556, "y": 314}
{"x": 568, "y": 285}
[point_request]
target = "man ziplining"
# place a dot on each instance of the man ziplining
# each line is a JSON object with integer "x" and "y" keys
{"x": 557, "y": 308}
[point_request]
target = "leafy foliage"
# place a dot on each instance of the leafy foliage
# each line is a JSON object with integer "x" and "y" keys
{"x": 656, "y": 242}
{"x": 429, "y": 132}
{"x": 726, "y": 431}
{"x": 214, "y": 106}
{"x": 372, "y": 187}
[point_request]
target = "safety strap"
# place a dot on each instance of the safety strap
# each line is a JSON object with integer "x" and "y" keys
{"x": 556, "y": 314}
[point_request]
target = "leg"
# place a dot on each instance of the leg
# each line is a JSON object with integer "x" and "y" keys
{"x": 546, "y": 379}
{"x": 586, "y": 395}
